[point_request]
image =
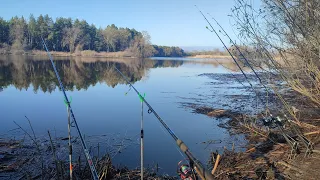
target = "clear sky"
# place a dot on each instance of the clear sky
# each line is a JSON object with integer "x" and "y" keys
{"x": 169, "y": 22}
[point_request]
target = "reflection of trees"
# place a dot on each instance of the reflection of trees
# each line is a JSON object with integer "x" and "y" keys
{"x": 23, "y": 71}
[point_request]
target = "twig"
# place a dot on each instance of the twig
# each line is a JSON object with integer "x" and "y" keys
{"x": 215, "y": 164}
{"x": 54, "y": 156}
{"x": 35, "y": 142}
{"x": 289, "y": 166}
{"x": 31, "y": 128}
{"x": 312, "y": 133}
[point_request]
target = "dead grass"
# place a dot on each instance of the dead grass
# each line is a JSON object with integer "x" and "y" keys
{"x": 210, "y": 56}
{"x": 120, "y": 54}
{"x": 85, "y": 53}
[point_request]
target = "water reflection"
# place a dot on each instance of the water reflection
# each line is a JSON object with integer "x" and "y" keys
{"x": 76, "y": 73}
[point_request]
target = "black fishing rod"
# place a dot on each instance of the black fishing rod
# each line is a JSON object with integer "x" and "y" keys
{"x": 241, "y": 54}
{"x": 213, "y": 30}
{"x": 196, "y": 163}
{"x": 84, "y": 146}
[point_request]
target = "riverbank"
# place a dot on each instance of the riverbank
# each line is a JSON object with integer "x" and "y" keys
{"x": 89, "y": 53}
{"x": 268, "y": 154}
{"x": 210, "y": 56}
{"x": 46, "y": 159}
{"x": 86, "y": 53}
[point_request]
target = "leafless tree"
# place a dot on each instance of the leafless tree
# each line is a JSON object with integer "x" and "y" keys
{"x": 70, "y": 37}
{"x": 285, "y": 34}
{"x": 141, "y": 46}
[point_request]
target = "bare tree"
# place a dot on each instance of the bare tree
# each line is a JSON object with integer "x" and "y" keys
{"x": 141, "y": 46}
{"x": 18, "y": 29}
{"x": 70, "y": 37}
{"x": 110, "y": 35}
{"x": 286, "y": 35}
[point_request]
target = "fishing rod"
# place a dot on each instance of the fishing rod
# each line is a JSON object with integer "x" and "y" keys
{"x": 196, "y": 163}
{"x": 241, "y": 54}
{"x": 84, "y": 146}
{"x": 238, "y": 49}
{"x": 141, "y": 140}
{"x": 213, "y": 30}
{"x": 70, "y": 145}
{"x": 292, "y": 142}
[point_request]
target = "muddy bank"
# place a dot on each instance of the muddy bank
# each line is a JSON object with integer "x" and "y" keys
{"x": 267, "y": 155}
{"x": 25, "y": 155}
{"x": 23, "y": 159}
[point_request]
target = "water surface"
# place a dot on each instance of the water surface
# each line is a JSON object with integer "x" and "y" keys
{"x": 107, "y": 110}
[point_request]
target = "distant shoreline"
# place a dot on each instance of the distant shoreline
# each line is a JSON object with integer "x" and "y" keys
{"x": 89, "y": 53}
{"x": 85, "y": 53}
{"x": 209, "y": 56}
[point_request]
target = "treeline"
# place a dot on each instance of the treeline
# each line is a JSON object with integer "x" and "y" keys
{"x": 214, "y": 52}
{"x": 67, "y": 35}
{"x": 167, "y": 51}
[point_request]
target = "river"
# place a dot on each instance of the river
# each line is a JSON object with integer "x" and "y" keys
{"x": 108, "y": 112}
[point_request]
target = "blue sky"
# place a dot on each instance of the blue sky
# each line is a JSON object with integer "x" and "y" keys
{"x": 169, "y": 22}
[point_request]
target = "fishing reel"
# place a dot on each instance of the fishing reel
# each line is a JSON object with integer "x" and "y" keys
{"x": 185, "y": 171}
{"x": 294, "y": 144}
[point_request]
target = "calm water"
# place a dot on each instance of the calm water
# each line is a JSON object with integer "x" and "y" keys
{"x": 106, "y": 115}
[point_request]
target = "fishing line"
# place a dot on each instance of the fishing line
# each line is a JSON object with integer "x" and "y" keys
{"x": 226, "y": 34}
{"x": 213, "y": 30}
{"x": 267, "y": 53}
{"x": 231, "y": 73}
{"x": 172, "y": 142}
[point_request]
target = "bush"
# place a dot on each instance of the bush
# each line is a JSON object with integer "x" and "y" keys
{"x": 288, "y": 29}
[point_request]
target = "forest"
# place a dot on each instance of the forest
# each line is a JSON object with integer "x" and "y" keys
{"x": 66, "y": 35}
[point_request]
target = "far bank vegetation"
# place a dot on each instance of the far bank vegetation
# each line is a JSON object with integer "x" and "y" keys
{"x": 247, "y": 51}
{"x": 67, "y": 37}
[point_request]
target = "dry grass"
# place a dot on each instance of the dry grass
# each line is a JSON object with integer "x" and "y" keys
{"x": 85, "y": 53}
{"x": 120, "y": 54}
{"x": 44, "y": 53}
{"x": 210, "y": 56}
